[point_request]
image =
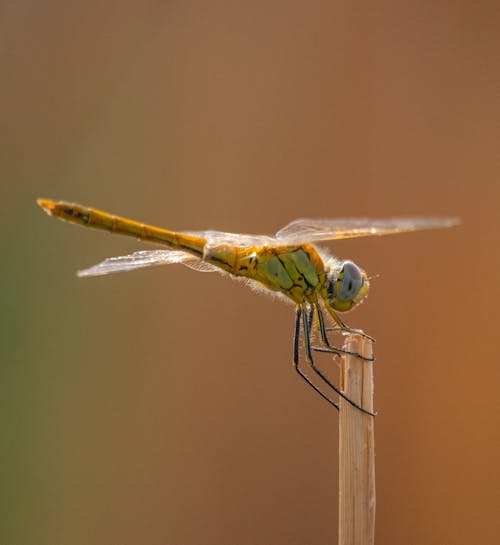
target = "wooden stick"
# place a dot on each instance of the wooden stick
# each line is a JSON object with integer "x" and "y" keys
{"x": 356, "y": 447}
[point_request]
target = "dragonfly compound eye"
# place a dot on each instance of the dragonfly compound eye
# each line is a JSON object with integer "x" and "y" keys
{"x": 349, "y": 282}
{"x": 349, "y": 288}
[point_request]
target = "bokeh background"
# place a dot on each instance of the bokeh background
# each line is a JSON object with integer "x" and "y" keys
{"x": 161, "y": 406}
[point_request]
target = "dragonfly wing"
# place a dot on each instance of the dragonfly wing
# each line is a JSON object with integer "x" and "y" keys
{"x": 200, "y": 265}
{"x": 310, "y": 230}
{"x": 219, "y": 238}
{"x": 146, "y": 258}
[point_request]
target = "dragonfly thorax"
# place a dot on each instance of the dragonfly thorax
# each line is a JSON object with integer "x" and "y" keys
{"x": 347, "y": 284}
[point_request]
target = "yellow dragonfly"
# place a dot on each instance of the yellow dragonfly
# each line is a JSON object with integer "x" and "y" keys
{"x": 288, "y": 264}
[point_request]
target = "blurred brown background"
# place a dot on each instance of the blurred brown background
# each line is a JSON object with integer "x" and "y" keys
{"x": 160, "y": 406}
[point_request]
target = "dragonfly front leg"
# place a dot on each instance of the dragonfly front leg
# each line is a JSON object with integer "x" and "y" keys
{"x": 344, "y": 327}
{"x": 324, "y": 338}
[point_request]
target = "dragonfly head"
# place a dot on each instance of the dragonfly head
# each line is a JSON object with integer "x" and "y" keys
{"x": 347, "y": 285}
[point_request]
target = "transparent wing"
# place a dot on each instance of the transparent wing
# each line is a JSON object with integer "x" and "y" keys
{"x": 217, "y": 238}
{"x": 146, "y": 258}
{"x": 310, "y": 230}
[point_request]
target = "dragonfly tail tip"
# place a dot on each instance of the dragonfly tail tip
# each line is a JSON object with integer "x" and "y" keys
{"x": 46, "y": 204}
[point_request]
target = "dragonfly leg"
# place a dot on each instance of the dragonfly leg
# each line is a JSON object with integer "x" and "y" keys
{"x": 324, "y": 339}
{"x": 296, "y": 341}
{"x": 345, "y": 328}
{"x": 306, "y": 324}
{"x": 335, "y": 329}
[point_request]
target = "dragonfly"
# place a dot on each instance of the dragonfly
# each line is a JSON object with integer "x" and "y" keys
{"x": 288, "y": 264}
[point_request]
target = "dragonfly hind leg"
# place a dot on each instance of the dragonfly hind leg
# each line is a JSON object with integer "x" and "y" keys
{"x": 296, "y": 359}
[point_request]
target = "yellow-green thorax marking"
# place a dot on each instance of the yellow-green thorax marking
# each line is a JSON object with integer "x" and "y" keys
{"x": 295, "y": 271}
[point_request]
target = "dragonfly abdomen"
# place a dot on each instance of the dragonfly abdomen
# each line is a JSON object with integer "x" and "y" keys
{"x": 92, "y": 217}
